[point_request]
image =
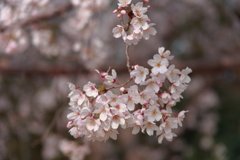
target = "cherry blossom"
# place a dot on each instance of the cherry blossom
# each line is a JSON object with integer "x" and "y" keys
{"x": 149, "y": 31}
{"x": 119, "y": 32}
{"x": 137, "y": 25}
{"x": 90, "y": 89}
{"x": 140, "y": 74}
{"x": 138, "y": 9}
{"x": 165, "y": 54}
{"x": 97, "y": 111}
{"x": 124, "y": 3}
{"x": 74, "y": 151}
{"x": 159, "y": 65}
{"x": 180, "y": 117}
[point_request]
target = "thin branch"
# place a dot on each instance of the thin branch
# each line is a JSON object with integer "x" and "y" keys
{"x": 128, "y": 59}
{"x": 202, "y": 66}
{"x": 121, "y": 85}
{"x": 129, "y": 70}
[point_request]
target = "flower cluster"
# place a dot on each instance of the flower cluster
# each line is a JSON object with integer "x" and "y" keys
{"x": 21, "y": 25}
{"x": 97, "y": 111}
{"x": 13, "y": 41}
{"x": 137, "y": 25}
{"x": 73, "y": 150}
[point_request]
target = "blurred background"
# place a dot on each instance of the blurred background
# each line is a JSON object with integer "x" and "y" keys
{"x": 46, "y": 43}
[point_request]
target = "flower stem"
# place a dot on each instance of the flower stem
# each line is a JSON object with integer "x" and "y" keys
{"x": 128, "y": 59}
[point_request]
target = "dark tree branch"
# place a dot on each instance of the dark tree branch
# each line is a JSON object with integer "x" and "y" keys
{"x": 198, "y": 67}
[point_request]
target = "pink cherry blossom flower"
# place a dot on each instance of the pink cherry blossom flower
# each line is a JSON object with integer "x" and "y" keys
{"x": 151, "y": 84}
{"x": 168, "y": 136}
{"x": 153, "y": 114}
{"x": 140, "y": 22}
{"x": 149, "y": 31}
{"x": 74, "y": 132}
{"x": 92, "y": 124}
{"x": 184, "y": 75}
{"x": 119, "y": 32}
{"x": 165, "y": 54}
{"x": 168, "y": 125}
{"x": 140, "y": 74}
{"x": 138, "y": 9}
{"x": 111, "y": 79}
{"x": 90, "y": 90}
{"x": 132, "y": 38}
{"x": 180, "y": 117}
{"x": 123, "y": 3}
{"x": 150, "y": 128}
{"x": 71, "y": 86}
{"x": 173, "y": 74}
{"x": 116, "y": 121}
{"x": 159, "y": 65}
{"x": 77, "y": 98}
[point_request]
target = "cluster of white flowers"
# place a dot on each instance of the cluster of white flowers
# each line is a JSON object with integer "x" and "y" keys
{"x": 14, "y": 17}
{"x": 49, "y": 47}
{"x": 97, "y": 112}
{"x": 137, "y": 25}
{"x": 13, "y": 41}
{"x": 73, "y": 150}
{"x": 83, "y": 15}
{"x": 15, "y": 12}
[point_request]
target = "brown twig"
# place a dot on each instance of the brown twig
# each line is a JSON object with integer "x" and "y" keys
{"x": 121, "y": 85}
{"x": 199, "y": 66}
{"x": 128, "y": 59}
{"x": 129, "y": 70}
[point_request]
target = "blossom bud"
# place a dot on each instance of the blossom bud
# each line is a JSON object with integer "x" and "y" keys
{"x": 119, "y": 15}
{"x": 103, "y": 74}
{"x": 70, "y": 124}
{"x": 148, "y": 6}
{"x": 135, "y": 67}
{"x": 122, "y": 89}
{"x": 145, "y": 103}
{"x": 115, "y": 11}
{"x": 123, "y": 12}
{"x": 146, "y": 1}
{"x": 159, "y": 84}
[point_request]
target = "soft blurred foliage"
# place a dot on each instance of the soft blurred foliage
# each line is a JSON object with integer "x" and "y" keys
{"x": 45, "y": 44}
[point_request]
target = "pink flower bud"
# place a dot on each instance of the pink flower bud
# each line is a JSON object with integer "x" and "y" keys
{"x": 69, "y": 125}
{"x": 146, "y": 1}
{"x": 148, "y": 6}
{"x": 159, "y": 84}
{"x": 103, "y": 74}
{"x": 115, "y": 11}
{"x": 122, "y": 89}
{"x": 123, "y": 12}
{"x": 119, "y": 15}
{"x": 145, "y": 103}
{"x": 135, "y": 67}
